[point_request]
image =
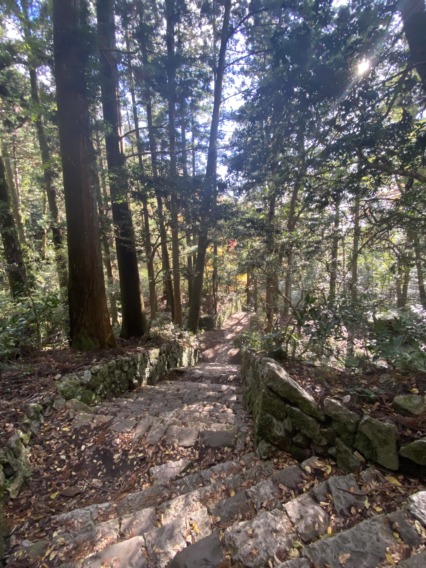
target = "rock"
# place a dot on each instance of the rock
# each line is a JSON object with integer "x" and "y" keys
{"x": 364, "y": 545}
{"x": 218, "y": 439}
{"x": 256, "y": 543}
{"x": 346, "y": 494}
{"x": 269, "y": 402}
{"x": 306, "y": 425}
{"x": 231, "y": 509}
{"x": 417, "y": 506}
{"x": 345, "y": 457}
{"x": 308, "y": 518}
{"x": 78, "y": 406}
{"x": 291, "y": 477}
{"x": 138, "y": 523}
{"x": 410, "y": 404}
{"x": 270, "y": 429}
{"x": 280, "y": 382}
{"x": 416, "y": 561}
{"x": 206, "y": 553}
{"x": 264, "y": 495}
{"x": 401, "y": 524}
{"x": 296, "y": 563}
{"x": 415, "y": 451}
{"x": 168, "y": 471}
{"x": 345, "y": 422}
{"x": 127, "y": 554}
{"x": 264, "y": 450}
{"x": 376, "y": 440}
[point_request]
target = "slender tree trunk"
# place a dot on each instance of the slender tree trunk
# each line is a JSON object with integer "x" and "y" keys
{"x": 171, "y": 103}
{"x": 16, "y": 272}
{"x": 133, "y": 318}
{"x": 354, "y": 275}
{"x": 271, "y": 264}
{"x": 14, "y": 196}
{"x": 90, "y": 327}
{"x": 419, "y": 269}
{"x": 210, "y": 177}
{"x": 145, "y": 214}
{"x": 334, "y": 255}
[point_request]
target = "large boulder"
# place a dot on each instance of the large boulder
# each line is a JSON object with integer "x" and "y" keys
{"x": 410, "y": 404}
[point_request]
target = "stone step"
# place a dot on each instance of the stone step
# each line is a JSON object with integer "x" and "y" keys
{"x": 306, "y": 534}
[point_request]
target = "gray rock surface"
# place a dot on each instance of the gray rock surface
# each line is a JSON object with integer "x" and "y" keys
{"x": 410, "y": 404}
{"x": 417, "y": 506}
{"x": 376, "y": 441}
{"x": 307, "y": 517}
{"x": 206, "y": 553}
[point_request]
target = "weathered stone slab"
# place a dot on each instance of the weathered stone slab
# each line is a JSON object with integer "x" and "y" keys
{"x": 410, "y": 404}
{"x": 338, "y": 411}
{"x": 142, "y": 428}
{"x": 164, "y": 543}
{"x": 401, "y": 524}
{"x": 364, "y": 545}
{"x": 156, "y": 432}
{"x": 168, "y": 471}
{"x": 415, "y": 451}
{"x": 260, "y": 541}
{"x": 345, "y": 457}
{"x": 280, "y": 382}
{"x": 416, "y": 561}
{"x": 232, "y": 509}
{"x": 178, "y": 507}
{"x": 296, "y": 563}
{"x": 346, "y": 494}
{"x": 184, "y": 437}
{"x": 205, "y": 553}
{"x": 150, "y": 497}
{"x": 291, "y": 477}
{"x": 264, "y": 495}
{"x": 308, "y": 518}
{"x": 85, "y": 517}
{"x": 218, "y": 439}
{"x": 307, "y": 425}
{"x": 377, "y": 441}
{"x": 123, "y": 425}
{"x": 221, "y": 470}
{"x": 417, "y": 506}
{"x": 127, "y": 554}
{"x": 138, "y": 523}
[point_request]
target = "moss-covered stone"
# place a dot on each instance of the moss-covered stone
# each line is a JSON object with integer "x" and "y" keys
{"x": 345, "y": 457}
{"x": 377, "y": 441}
{"x": 307, "y": 425}
{"x": 410, "y": 404}
{"x": 415, "y": 451}
{"x": 270, "y": 429}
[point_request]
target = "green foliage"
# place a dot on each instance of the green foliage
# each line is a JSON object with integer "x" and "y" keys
{"x": 31, "y": 323}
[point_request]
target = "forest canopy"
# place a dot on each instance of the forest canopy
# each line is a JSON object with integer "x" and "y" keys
{"x": 160, "y": 159}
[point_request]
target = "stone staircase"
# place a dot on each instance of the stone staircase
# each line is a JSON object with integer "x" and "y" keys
{"x": 239, "y": 510}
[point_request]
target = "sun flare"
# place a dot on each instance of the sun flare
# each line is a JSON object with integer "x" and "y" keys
{"x": 363, "y": 67}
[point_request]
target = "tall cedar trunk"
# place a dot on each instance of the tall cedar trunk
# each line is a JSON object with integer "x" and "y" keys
{"x": 133, "y": 322}
{"x": 414, "y": 21}
{"x": 165, "y": 259}
{"x": 104, "y": 226}
{"x": 334, "y": 255}
{"x": 271, "y": 268}
{"x": 171, "y": 103}
{"x": 354, "y": 275}
{"x": 402, "y": 281}
{"x": 14, "y": 195}
{"x": 16, "y": 272}
{"x": 145, "y": 214}
{"x": 210, "y": 178}
{"x": 46, "y": 160}
{"x": 215, "y": 279}
{"x": 90, "y": 327}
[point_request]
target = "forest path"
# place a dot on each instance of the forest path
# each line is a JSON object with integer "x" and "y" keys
{"x": 166, "y": 477}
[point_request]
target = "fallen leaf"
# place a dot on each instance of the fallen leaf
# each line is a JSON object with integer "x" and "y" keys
{"x": 70, "y": 491}
{"x": 343, "y": 558}
{"x": 393, "y": 480}
{"x": 54, "y": 495}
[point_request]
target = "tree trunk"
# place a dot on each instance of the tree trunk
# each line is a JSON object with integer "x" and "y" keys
{"x": 413, "y": 14}
{"x": 210, "y": 177}
{"x": 90, "y": 327}
{"x": 173, "y": 174}
{"x": 16, "y": 272}
{"x": 419, "y": 269}
{"x": 133, "y": 318}
{"x": 271, "y": 264}
{"x": 334, "y": 256}
{"x": 14, "y": 195}
{"x": 145, "y": 215}
{"x": 354, "y": 276}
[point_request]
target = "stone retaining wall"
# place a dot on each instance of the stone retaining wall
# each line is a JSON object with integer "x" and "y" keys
{"x": 90, "y": 385}
{"x": 288, "y": 418}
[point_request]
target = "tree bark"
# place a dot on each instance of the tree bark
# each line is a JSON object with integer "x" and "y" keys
{"x": 413, "y": 14}
{"x": 16, "y": 272}
{"x": 133, "y": 318}
{"x": 14, "y": 195}
{"x": 334, "y": 255}
{"x": 171, "y": 103}
{"x": 90, "y": 327}
{"x": 210, "y": 177}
